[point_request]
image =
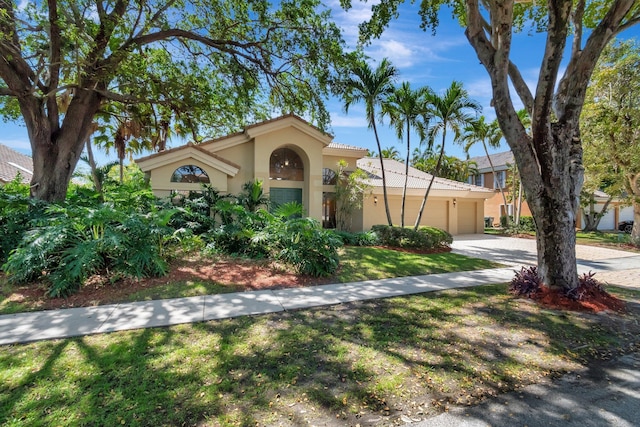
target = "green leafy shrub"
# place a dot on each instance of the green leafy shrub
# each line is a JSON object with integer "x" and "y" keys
{"x": 364, "y": 238}
{"x": 74, "y": 243}
{"x": 18, "y": 212}
{"x": 423, "y": 238}
{"x": 306, "y": 246}
{"x": 526, "y": 225}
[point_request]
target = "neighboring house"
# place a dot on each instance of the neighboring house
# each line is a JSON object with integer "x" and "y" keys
{"x": 295, "y": 161}
{"x": 494, "y": 207}
{"x": 13, "y": 163}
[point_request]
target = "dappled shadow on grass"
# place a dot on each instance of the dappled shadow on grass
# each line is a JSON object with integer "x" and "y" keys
{"x": 366, "y": 363}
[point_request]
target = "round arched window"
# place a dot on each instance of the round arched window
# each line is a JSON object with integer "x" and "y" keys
{"x": 329, "y": 177}
{"x": 286, "y": 165}
{"x": 190, "y": 174}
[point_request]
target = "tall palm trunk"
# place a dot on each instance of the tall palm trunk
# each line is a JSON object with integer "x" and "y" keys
{"x": 384, "y": 178}
{"x": 433, "y": 177}
{"x": 406, "y": 177}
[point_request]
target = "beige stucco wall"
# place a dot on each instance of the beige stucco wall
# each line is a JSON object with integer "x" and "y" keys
{"x": 465, "y": 217}
{"x": 331, "y": 162}
{"x": 241, "y": 155}
{"x": 310, "y": 151}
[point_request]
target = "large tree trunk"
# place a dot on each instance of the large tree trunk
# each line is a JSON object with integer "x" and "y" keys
{"x": 57, "y": 149}
{"x": 556, "y": 184}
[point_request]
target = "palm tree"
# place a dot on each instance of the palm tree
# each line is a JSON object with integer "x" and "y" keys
{"x": 372, "y": 87}
{"x": 449, "y": 111}
{"x": 489, "y": 134}
{"x": 404, "y": 108}
{"x": 391, "y": 153}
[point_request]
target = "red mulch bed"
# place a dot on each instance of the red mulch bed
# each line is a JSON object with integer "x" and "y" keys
{"x": 593, "y": 301}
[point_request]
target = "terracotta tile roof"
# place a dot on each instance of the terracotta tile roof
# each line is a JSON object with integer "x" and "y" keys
{"x": 395, "y": 174}
{"x": 12, "y": 163}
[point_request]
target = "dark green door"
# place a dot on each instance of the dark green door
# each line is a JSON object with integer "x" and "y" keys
{"x": 281, "y": 196}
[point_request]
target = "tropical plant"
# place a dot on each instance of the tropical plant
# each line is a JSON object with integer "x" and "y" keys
{"x": 452, "y": 110}
{"x": 405, "y": 108}
{"x": 252, "y": 196}
{"x": 372, "y": 87}
{"x": 17, "y": 214}
{"x": 390, "y": 153}
{"x": 74, "y": 243}
{"x": 489, "y": 135}
{"x": 350, "y": 191}
{"x": 451, "y": 167}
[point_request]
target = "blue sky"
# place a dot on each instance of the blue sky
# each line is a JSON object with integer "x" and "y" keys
{"x": 422, "y": 59}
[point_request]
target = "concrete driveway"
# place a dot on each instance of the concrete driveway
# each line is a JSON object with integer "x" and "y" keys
{"x": 612, "y": 266}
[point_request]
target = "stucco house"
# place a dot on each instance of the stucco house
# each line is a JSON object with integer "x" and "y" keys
{"x": 295, "y": 161}
{"x": 494, "y": 206}
{"x": 13, "y": 163}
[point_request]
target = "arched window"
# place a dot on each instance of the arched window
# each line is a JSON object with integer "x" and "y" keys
{"x": 190, "y": 174}
{"x": 286, "y": 165}
{"x": 328, "y": 177}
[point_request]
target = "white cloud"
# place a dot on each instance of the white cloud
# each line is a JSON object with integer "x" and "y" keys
{"x": 479, "y": 88}
{"x": 400, "y": 54}
{"x": 340, "y": 120}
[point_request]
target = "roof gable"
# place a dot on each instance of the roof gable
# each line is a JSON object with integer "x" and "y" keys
{"x": 188, "y": 152}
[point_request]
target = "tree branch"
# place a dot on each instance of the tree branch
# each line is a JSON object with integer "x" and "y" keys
{"x": 231, "y": 47}
{"x": 576, "y": 18}
{"x": 627, "y": 25}
{"x": 557, "y": 30}
{"x": 521, "y": 87}
{"x": 54, "y": 64}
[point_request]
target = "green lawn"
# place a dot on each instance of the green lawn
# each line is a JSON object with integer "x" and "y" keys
{"x": 380, "y": 359}
{"x": 601, "y": 238}
{"x": 365, "y": 263}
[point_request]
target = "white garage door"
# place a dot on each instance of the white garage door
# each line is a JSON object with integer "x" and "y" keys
{"x": 626, "y": 214}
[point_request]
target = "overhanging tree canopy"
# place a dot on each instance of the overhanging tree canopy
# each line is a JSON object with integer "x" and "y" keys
{"x": 550, "y": 159}
{"x": 203, "y": 61}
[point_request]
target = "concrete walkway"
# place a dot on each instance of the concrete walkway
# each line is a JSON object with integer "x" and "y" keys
{"x": 623, "y": 269}
{"x": 42, "y": 325}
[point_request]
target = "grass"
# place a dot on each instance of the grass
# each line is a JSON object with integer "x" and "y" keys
{"x": 602, "y": 238}
{"x": 367, "y": 263}
{"x": 339, "y": 365}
